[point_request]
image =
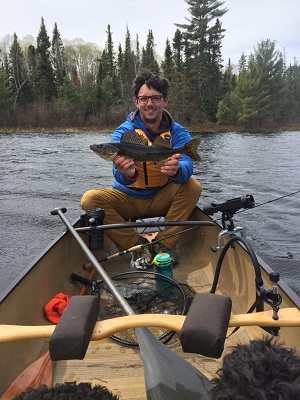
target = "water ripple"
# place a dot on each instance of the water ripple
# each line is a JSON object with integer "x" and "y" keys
{"x": 39, "y": 172}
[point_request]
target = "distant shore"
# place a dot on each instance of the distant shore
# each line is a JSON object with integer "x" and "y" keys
{"x": 203, "y": 128}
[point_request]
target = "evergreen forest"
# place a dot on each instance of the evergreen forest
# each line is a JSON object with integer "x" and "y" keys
{"x": 51, "y": 85}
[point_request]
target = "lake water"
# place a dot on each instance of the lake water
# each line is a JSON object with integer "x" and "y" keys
{"x": 39, "y": 172}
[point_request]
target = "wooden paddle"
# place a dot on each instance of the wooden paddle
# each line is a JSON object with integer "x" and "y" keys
{"x": 288, "y": 317}
{"x": 40, "y": 371}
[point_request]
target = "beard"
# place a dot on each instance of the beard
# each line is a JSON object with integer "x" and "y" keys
{"x": 153, "y": 119}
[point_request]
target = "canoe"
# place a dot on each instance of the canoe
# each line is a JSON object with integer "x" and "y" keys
{"x": 118, "y": 365}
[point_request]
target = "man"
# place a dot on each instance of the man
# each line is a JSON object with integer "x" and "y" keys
{"x": 144, "y": 189}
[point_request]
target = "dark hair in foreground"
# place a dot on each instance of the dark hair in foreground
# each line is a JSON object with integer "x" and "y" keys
{"x": 67, "y": 391}
{"x": 260, "y": 370}
{"x": 152, "y": 81}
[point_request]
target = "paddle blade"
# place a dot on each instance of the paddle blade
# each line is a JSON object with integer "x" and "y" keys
{"x": 37, "y": 373}
{"x": 167, "y": 375}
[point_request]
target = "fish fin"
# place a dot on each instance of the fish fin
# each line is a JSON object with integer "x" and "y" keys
{"x": 114, "y": 156}
{"x": 191, "y": 148}
{"x": 161, "y": 163}
{"x": 160, "y": 142}
{"x": 134, "y": 138}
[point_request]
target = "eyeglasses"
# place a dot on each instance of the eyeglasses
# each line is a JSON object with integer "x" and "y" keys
{"x": 155, "y": 99}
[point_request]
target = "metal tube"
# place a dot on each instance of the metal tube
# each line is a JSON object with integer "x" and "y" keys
{"x": 107, "y": 280}
{"x": 145, "y": 224}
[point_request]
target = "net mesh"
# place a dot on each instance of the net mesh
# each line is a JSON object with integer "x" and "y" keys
{"x": 146, "y": 293}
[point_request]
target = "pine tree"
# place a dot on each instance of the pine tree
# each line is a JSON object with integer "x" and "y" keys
{"x": 291, "y": 108}
{"x": 179, "y": 94}
{"x": 168, "y": 63}
{"x": 107, "y": 63}
{"x": 268, "y": 65}
{"x": 137, "y": 55}
{"x": 203, "y": 55}
{"x": 178, "y": 46}
{"x": 45, "y": 87}
{"x": 229, "y": 78}
{"x": 255, "y": 101}
{"x": 242, "y": 63}
{"x": 107, "y": 87}
{"x": 58, "y": 57}
{"x": 149, "y": 61}
{"x": 126, "y": 70}
{"x": 31, "y": 62}
{"x": 6, "y": 94}
{"x": 18, "y": 74}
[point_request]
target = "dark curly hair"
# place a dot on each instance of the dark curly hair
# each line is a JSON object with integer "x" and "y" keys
{"x": 260, "y": 370}
{"x": 152, "y": 81}
{"x": 67, "y": 391}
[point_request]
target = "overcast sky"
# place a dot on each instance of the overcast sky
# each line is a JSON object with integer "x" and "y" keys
{"x": 247, "y": 22}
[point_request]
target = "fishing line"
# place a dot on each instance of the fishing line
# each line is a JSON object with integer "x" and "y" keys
{"x": 220, "y": 218}
{"x": 174, "y": 234}
{"x": 270, "y": 201}
{"x": 214, "y": 220}
{"x": 131, "y": 250}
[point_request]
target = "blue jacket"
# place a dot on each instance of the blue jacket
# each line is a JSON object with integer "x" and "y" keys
{"x": 180, "y": 136}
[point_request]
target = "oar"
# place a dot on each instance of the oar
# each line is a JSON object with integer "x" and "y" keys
{"x": 40, "y": 371}
{"x": 288, "y": 317}
{"x": 167, "y": 375}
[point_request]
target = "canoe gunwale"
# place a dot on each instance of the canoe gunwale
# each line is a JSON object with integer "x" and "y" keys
{"x": 22, "y": 275}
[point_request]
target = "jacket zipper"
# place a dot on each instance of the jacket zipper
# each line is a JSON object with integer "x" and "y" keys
{"x": 145, "y": 173}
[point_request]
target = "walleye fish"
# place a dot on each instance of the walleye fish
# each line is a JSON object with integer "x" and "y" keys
{"x": 135, "y": 146}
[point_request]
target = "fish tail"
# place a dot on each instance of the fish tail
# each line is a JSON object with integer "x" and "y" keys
{"x": 191, "y": 149}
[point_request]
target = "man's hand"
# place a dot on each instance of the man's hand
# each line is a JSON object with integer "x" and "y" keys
{"x": 124, "y": 165}
{"x": 171, "y": 166}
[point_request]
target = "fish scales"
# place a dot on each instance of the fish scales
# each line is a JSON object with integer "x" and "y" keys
{"x": 159, "y": 151}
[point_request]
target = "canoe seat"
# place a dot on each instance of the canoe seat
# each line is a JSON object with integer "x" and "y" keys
{"x": 205, "y": 327}
{"x": 149, "y": 232}
{"x": 74, "y": 329}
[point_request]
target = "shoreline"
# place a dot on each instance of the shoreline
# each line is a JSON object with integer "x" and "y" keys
{"x": 204, "y": 128}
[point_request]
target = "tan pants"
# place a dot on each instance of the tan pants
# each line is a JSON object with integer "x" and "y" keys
{"x": 175, "y": 202}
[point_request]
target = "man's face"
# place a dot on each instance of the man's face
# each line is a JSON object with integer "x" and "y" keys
{"x": 150, "y": 108}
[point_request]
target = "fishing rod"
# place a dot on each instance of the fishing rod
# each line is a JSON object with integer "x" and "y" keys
{"x": 141, "y": 246}
{"x": 271, "y": 201}
{"x": 230, "y": 207}
{"x": 141, "y": 224}
{"x": 237, "y": 206}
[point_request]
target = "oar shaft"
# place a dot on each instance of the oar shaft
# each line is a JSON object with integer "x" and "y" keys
{"x": 107, "y": 280}
{"x": 288, "y": 317}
